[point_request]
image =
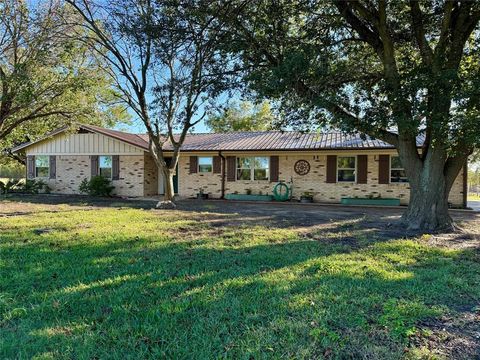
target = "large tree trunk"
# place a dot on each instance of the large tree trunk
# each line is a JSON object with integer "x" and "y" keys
{"x": 168, "y": 181}
{"x": 169, "y": 192}
{"x": 428, "y": 206}
{"x": 168, "y": 169}
{"x": 430, "y": 182}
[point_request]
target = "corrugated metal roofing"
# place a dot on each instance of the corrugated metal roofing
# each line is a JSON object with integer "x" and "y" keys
{"x": 253, "y": 140}
{"x": 277, "y": 140}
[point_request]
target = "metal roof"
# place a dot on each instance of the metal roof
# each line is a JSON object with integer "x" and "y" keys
{"x": 249, "y": 140}
{"x": 278, "y": 140}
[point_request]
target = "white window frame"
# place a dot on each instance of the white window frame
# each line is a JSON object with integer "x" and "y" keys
{"x": 354, "y": 169}
{"x": 390, "y": 172}
{"x": 211, "y": 164}
{"x": 111, "y": 166}
{"x": 252, "y": 168}
{"x": 48, "y": 167}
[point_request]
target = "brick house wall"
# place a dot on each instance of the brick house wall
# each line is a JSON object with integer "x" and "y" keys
{"x": 72, "y": 152}
{"x": 131, "y": 182}
{"x": 313, "y": 182}
{"x": 138, "y": 174}
{"x": 72, "y": 169}
{"x": 190, "y": 184}
{"x": 150, "y": 185}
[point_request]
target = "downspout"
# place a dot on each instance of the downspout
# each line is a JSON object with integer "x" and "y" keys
{"x": 223, "y": 174}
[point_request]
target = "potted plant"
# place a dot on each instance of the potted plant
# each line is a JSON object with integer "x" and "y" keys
{"x": 307, "y": 197}
{"x": 248, "y": 191}
{"x": 201, "y": 195}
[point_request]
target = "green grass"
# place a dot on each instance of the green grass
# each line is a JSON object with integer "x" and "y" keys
{"x": 86, "y": 282}
{"x": 473, "y": 197}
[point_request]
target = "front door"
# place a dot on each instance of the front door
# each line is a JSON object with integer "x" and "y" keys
{"x": 161, "y": 184}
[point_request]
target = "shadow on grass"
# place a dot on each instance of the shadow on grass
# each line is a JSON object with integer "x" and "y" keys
{"x": 383, "y": 221}
{"x": 78, "y": 200}
{"x": 172, "y": 297}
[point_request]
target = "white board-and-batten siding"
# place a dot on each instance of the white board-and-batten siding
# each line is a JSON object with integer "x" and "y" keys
{"x": 82, "y": 144}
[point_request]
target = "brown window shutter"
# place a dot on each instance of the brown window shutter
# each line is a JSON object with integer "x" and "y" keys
{"x": 30, "y": 166}
{"x": 53, "y": 166}
{"x": 331, "y": 169}
{"x": 362, "y": 169}
{"x": 231, "y": 168}
{"x": 274, "y": 168}
{"x": 94, "y": 165}
{"x": 217, "y": 164}
{"x": 115, "y": 167}
{"x": 384, "y": 169}
{"x": 193, "y": 164}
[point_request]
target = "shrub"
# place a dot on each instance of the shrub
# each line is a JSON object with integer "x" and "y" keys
{"x": 9, "y": 186}
{"x": 35, "y": 187}
{"x": 96, "y": 186}
{"x": 29, "y": 187}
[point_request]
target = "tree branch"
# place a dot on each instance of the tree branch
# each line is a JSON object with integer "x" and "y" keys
{"x": 419, "y": 32}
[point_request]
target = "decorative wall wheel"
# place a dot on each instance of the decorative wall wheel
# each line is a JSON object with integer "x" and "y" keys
{"x": 302, "y": 167}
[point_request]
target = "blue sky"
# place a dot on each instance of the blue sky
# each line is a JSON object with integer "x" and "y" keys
{"x": 138, "y": 127}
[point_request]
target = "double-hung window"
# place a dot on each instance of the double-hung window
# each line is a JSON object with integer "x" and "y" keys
{"x": 105, "y": 166}
{"x": 346, "y": 166}
{"x": 205, "y": 164}
{"x": 253, "y": 168}
{"x": 397, "y": 172}
{"x": 42, "y": 166}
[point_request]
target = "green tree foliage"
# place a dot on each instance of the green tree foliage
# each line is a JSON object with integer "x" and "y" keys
{"x": 165, "y": 62}
{"x": 474, "y": 180}
{"x": 400, "y": 71}
{"x": 244, "y": 116}
{"x": 48, "y": 78}
{"x": 11, "y": 169}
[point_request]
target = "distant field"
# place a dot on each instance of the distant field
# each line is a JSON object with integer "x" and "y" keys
{"x": 473, "y": 197}
{"x": 4, "y": 180}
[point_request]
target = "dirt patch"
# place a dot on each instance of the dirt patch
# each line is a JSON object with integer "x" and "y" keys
{"x": 456, "y": 336}
{"x": 457, "y": 240}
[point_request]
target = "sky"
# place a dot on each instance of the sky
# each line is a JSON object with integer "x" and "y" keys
{"x": 137, "y": 127}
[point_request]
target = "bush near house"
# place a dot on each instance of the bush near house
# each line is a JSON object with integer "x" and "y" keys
{"x": 8, "y": 186}
{"x": 96, "y": 186}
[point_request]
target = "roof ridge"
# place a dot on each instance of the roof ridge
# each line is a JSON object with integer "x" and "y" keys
{"x": 255, "y": 132}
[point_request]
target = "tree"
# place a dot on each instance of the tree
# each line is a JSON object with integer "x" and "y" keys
{"x": 164, "y": 60}
{"x": 47, "y": 79}
{"x": 399, "y": 71}
{"x": 242, "y": 117}
{"x": 474, "y": 180}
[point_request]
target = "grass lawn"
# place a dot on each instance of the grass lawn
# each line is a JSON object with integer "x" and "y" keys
{"x": 473, "y": 197}
{"x": 82, "y": 281}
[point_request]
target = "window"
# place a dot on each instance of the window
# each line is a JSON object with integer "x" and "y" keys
{"x": 260, "y": 168}
{"x": 346, "y": 168}
{"x": 255, "y": 168}
{"x": 42, "y": 168}
{"x": 205, "y": 164}
{"x": 105, "y": 166}
{"x": 397, "y": 172}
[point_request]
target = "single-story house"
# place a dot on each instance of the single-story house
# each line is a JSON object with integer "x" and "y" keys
{"x": 328, "y": 165}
